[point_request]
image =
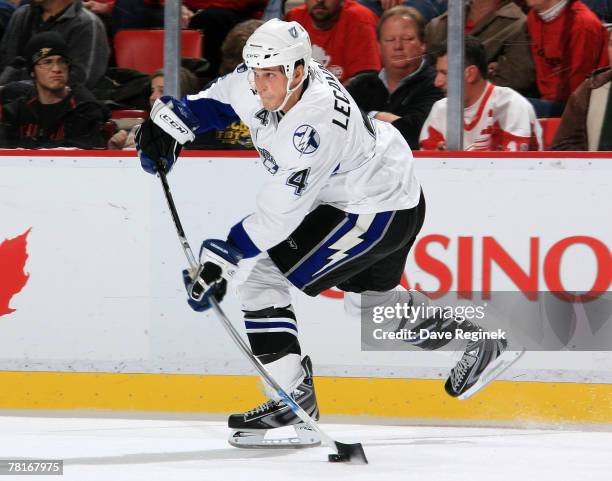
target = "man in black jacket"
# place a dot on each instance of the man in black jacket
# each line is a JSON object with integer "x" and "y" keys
{"x": 51, "y": 114}
{"x": 403, "y": 92}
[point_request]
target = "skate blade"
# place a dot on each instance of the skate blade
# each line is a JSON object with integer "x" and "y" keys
{"x": 492, "y": 372}
{"x": 256, "y": 439}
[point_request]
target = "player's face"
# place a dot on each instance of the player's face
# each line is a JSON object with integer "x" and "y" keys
{"x": 157, "y": 89}
{"x": 271, "y": 86}
{"x": 441, "y": 80}
{"x": 324, "y": 10}
{"x": 51, "y": 73}
{"x": 400, "y": 46}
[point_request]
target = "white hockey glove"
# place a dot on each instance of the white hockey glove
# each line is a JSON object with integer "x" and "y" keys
{"x": 218, "y": 263}
{"x": 175, "y": 118}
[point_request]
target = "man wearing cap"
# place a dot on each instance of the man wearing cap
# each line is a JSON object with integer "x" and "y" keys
{"x": 52, "y": 114}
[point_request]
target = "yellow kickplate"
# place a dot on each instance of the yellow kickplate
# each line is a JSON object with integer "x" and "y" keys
{"x": 397, "y": 398}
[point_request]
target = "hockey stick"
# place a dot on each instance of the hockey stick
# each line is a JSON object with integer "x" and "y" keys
{"x": 351, "y": 453}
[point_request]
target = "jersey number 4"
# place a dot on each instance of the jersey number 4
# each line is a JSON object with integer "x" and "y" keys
{"x": 299, "y": 181}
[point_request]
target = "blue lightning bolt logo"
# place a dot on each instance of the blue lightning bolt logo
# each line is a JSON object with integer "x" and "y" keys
{"x": 306, "y": 139}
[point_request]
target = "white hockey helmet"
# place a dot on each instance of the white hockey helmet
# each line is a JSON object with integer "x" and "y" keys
{"x": 279, "y": 44}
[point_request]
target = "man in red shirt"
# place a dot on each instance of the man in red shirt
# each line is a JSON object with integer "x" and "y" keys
{"x": 568, "y": 42}
{"x": 343, "y": 35}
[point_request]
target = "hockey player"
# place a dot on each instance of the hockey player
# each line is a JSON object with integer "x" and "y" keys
{"x": 341, "y": 207}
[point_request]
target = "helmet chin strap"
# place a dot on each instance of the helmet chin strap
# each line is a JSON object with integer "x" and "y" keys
{"x": 290, "y": 92}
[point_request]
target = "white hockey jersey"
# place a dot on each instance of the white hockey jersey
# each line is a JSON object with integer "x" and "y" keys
{"x": 323, "y": 151}
{"x": 501, "y": 119}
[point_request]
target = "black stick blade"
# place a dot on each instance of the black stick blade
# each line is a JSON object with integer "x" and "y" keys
{"x": 349, "y": 453}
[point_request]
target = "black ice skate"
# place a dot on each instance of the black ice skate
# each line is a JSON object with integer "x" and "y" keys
{"x": 482, "y": 362}
{"x": 250, "y": 428}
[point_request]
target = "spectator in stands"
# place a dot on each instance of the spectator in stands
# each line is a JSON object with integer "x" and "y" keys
{"x": 495, "y": 118}
{"x": 189, "y": 84}
{"x": 231, "y": 50}
{"x": 501, "y": 26}
{"x": 343, "y": 35}
{"x": 587, "y": 119}
{"x": 568, "y": 42}
{"x": 81, "y": 29}
{"x": 428, "y": 8}
{"x": 54, "y": 114}
{"x": 403, "y": 92}
{"x": 7, "y": 7}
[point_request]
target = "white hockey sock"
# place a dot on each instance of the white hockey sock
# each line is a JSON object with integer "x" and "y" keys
{"x": 286, "y": 371}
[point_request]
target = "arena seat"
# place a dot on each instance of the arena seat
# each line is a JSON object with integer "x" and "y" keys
{"x": 143, "y": 50}
{"x": 549, "y": 128}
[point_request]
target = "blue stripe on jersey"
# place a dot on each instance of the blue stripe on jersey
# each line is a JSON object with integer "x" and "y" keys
{"x": 266, "y": 325}
{"x": 321, "y": 261}
{"x": 211, "y": 113}
{"x": 239, "y": 237}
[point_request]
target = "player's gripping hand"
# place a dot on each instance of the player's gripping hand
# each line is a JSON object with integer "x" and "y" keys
{"x": 218, "y": 262}
{"x": 159, "y": 140}
{"x": 156, "y": 148}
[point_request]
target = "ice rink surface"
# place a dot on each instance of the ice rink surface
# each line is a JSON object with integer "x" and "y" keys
{"x": 180, "y": 450}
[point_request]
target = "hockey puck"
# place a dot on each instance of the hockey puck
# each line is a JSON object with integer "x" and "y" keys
{"x": 336, "y": 458}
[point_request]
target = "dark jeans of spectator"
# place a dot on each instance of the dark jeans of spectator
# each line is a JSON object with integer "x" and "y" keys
{"x": 135, "y": 14}
{"x": 215, "y": 23}
{"x": 546, "y": 109}
{"x": 428, "y": 8}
